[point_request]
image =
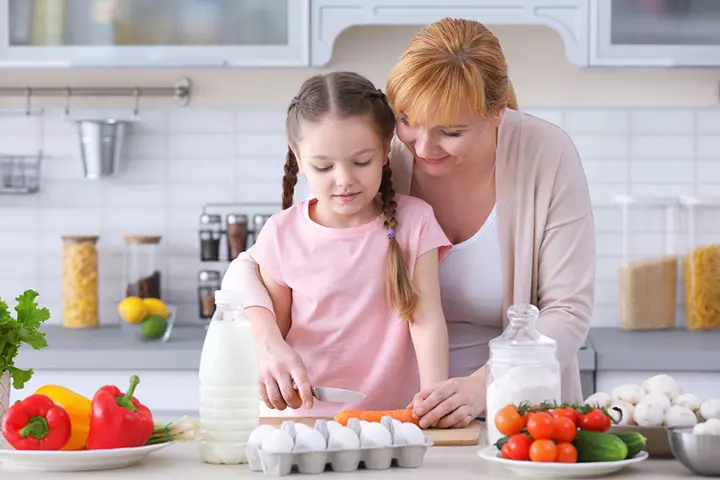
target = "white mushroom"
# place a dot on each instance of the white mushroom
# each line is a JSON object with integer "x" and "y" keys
{"x": 622, "y": 412}
{"x": 629, "y": 393}
{"x": 600, "y": 399}
{"x": 648, "y": 414}
{"x": 678, "y": 416}
{"x": 710, "y": 409}
{"x": 659, "y": 398}
{"x": 711, "y": 427}
{"x": 663, "y": 384}
{"x": 687, "y": 400}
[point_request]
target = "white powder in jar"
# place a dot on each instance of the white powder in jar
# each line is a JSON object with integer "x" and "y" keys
{"x": 524, "y": 383}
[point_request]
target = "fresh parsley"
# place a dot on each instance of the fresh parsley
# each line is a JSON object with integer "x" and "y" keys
{"x": 23, "y": 328}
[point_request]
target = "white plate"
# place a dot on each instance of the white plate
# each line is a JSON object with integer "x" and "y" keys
{"x": 558, "y": 470}
{"x": 74, "y": 461}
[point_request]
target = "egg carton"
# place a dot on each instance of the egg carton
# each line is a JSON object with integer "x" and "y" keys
{"x": 337, "y": 459}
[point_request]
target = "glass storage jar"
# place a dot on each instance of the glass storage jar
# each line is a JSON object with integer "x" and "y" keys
{"x": 142, "y": 273}
{"x": 209, "y": 283}
{"x": 79, "y": 281}
{"x": 648, "y": 274}
{"x": 237, "y": 230}
{"x": 522, "y": 367}
{"x": 210, "y": 235}
{"x": 701, "y": 263}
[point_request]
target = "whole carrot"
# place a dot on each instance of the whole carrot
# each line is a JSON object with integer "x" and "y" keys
{"x": 404, "y": 415}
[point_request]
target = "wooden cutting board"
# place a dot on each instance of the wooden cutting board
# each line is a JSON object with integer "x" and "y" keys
{"x": 451, "y": 437}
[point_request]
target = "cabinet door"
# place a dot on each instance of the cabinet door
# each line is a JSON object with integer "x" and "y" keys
{"x": 154, "y": 32}
{"x": 655, "y": 33}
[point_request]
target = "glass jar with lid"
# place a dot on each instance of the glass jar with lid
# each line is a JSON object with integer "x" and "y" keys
{"x": 79, "y": 281}
{"x": 209, "y": 283}
{"x": 142, "y": 271}
{"x": 701, "y": 262}
{"x": 210, "y": 235}
{"x": 523, "y": 366}
{"x": 237, "y": 231}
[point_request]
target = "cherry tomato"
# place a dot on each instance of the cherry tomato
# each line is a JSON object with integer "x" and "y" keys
{"x": 543, "y": 451}
{"x": 566, "y": 412}
{"x": 564, "y": 429}
{"x": 508, "y": 421}
{"x": 595, "y": 421}
{"x": 517, "y": 448}
{"x": 566, "y": 453}
{"x": 541, "y": 426}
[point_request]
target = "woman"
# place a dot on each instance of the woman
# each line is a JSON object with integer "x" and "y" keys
{"x": 510, "y": 193}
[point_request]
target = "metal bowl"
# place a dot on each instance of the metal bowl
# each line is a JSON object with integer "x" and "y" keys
{"x": 698, "y": 453}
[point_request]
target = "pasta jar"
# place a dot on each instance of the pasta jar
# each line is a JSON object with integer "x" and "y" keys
{"x": 142, "y": 274}
{"x": 701, "y": 263}
{"x": 522, "y": 367}
{"x": 79, "y": 281}
{"x": 648, "y": 274}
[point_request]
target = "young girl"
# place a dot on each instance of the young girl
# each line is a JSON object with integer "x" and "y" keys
{"x": 352, "y": 272}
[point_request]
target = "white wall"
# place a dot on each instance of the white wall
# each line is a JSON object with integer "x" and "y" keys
{"x": 538, "y": 66}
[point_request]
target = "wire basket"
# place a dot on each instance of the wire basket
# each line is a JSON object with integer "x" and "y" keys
{"x": 20, "y": 174}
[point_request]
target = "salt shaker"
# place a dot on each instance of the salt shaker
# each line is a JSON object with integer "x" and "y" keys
{"x": 523, "y": 366}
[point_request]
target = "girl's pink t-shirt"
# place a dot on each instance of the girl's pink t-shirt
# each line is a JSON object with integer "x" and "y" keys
{"x": 343, "y": 327}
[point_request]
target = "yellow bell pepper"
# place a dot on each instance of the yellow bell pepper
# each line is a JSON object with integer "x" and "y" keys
{"x": 77, "y": 407}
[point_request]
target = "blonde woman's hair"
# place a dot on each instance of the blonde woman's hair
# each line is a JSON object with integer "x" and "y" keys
{"x": 451, "y": 66}
{"x": 346, "y": 95}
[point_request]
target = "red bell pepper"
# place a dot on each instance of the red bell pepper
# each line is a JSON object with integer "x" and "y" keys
{"x": 36, "y": 423}
{"x": 118, "y": 420}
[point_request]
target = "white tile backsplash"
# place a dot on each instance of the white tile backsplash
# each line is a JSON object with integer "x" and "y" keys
{"x": 181, "y": 159}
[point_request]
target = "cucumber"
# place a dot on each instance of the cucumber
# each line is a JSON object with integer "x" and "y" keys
{"x": 634, "y": 441}
{"x": 599, "y": 447}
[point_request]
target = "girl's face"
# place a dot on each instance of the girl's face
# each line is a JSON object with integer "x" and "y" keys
{"x": 342, "y": 160}
{"x": 440, "y": 150}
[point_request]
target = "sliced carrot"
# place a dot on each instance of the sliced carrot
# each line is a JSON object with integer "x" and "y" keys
{"x": 404, "y": 415}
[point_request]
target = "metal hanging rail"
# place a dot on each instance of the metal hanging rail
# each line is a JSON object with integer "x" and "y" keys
{"x": 180, "y": 91}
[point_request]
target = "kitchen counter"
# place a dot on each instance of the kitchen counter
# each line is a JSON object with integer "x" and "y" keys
{"x": 661, "y": 350}
{"x": 183, "y": 461}
{"x": 70, "y": 349}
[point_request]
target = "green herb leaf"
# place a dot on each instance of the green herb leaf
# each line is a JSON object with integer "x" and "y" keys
{"x": 20, "y": 377}
{"x": 24, "y": 328}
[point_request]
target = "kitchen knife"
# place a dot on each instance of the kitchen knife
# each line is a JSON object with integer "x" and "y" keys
{"x": 332, "y": 394}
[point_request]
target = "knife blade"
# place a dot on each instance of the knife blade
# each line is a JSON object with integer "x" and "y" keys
{"x": 332, "y": 394}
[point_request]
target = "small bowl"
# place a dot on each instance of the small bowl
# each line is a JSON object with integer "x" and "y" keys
{"x": 132, "y": 330}
{"x": 698, "y": 453}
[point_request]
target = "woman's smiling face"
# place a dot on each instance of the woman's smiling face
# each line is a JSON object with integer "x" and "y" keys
{"x": 441, "y": 149}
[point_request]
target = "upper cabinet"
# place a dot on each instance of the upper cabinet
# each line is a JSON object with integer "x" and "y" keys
{"x": 331, "y": 17}
{"x": 149, "y": 33}
{"x": 662, "y": 33}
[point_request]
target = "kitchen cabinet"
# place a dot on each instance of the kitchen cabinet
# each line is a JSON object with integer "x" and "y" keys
{"x": 154, "y": 33}
{"x": 654, "y": 33}
{"x": 329, "y": 18}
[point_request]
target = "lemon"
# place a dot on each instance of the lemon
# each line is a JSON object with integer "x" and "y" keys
{"x": 132, "y": 310}
{"x": 155, "y": 306}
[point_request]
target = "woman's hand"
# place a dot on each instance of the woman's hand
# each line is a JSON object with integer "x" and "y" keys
{"x": 283, "y": 378}
{"x": 453, "y": 403}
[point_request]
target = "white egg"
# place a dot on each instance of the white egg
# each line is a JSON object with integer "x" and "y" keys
{"x": 278, "y": 441}
{"x": 375, "y": 435}
{"x": 332, "y": 425}
{"x": 410, "y": 434}
{"x": 258, "y": 435}
{"x": 343, "y": 438}
{"x": 301, "y": 426}
{"x": 309, "y": 440}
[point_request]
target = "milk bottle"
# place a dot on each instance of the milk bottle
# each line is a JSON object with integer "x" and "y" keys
{"x": 229, "y": 400}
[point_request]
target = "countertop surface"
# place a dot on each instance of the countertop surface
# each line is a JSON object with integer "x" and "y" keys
{"x": 605, "y": 349}
{"x": 69, "y": 349}
{"x": 664, "y": 350}
{"x": 183, "y": 461}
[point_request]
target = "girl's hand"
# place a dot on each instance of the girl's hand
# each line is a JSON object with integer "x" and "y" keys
{"x": 453, "y": 403}
{"x": 283, "y": 378}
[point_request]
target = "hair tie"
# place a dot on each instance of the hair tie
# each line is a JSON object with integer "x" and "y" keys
{"x": 391, "y": 233}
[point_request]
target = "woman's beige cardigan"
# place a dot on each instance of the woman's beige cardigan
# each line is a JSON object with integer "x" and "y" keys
{"x": 547, "y": 235}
